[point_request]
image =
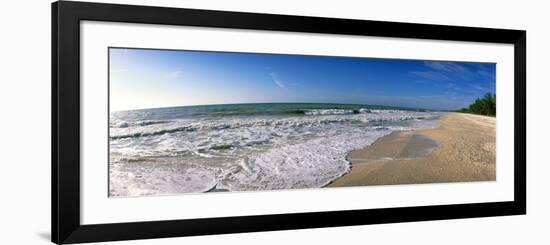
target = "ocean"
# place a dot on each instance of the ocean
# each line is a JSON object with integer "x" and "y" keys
{"x": 244, "y": 147}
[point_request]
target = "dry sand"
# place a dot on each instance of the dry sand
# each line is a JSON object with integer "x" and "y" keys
{"x": 461, "y": 149}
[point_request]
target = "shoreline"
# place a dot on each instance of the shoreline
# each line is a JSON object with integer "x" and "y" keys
{"x": 461, "y": 149}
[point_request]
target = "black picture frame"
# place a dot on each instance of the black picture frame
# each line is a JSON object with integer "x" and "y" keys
{"x": 65, "y": 167}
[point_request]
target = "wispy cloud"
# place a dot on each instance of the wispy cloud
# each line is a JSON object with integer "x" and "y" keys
{"x": 489, "y": 75}
{"x": 446, "y": 66}
{"x": 431, "y": 75}
{"x": 442, "y": 71}
{"x": 277, "y": 81}
{"x": 451, "y": 76}
{"x": 472, "y": 71}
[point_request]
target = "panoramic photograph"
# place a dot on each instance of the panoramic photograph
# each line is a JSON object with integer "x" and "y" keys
{"x": 184, "y": 121}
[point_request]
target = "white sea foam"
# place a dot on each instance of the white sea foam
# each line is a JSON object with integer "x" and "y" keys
{"x": 139, "y": 180}
{"x": 330, "y": 112}
{"x": 313, "y": 163}
{"x": 150, "y": 157}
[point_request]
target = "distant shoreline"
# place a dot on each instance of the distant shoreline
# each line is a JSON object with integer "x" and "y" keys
{"x": 466, "y": 151}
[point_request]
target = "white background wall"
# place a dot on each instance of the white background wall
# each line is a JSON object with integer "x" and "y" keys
{"x": 25, "y": 121}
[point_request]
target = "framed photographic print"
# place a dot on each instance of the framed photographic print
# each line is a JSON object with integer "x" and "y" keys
{"x": 175, "y": 122}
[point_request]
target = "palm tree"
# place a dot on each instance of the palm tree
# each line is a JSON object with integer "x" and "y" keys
{"x": 484, "y": 106}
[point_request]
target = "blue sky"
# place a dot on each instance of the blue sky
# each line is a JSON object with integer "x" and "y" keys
{"x": 141, "y": 78}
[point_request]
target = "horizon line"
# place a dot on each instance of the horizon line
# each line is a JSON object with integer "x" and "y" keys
{"x": 244, "y": 103}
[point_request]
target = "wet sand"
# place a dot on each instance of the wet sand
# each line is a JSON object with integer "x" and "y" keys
{"x": 461, "y": 149}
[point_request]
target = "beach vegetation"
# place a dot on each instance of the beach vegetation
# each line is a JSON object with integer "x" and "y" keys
{"x": 486, "y": 105}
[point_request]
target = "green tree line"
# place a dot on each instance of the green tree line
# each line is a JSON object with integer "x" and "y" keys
{"x": 487, "y": 105}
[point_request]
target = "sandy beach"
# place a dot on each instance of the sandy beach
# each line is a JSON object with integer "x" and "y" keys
{"x": 461, "y": 149}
